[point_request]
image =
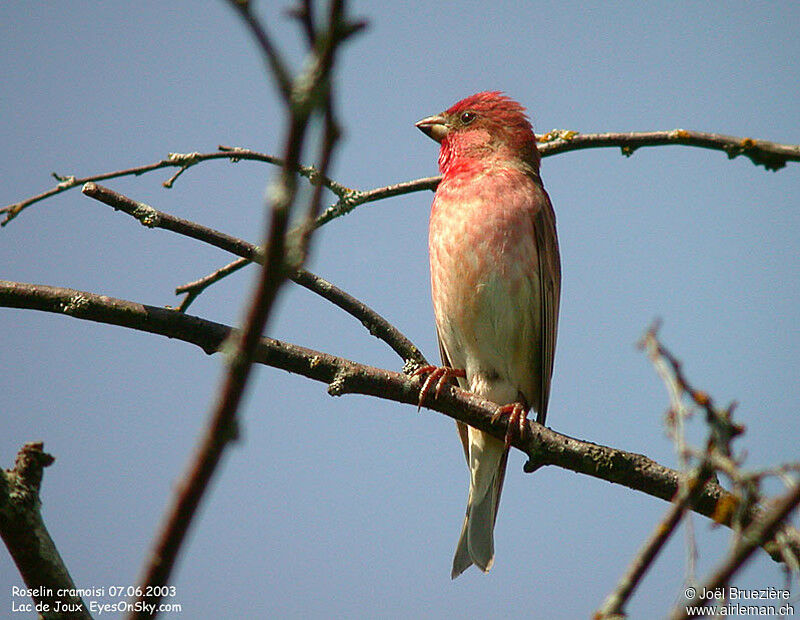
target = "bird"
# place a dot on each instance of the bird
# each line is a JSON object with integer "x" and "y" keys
{"x": 495, "y": 274}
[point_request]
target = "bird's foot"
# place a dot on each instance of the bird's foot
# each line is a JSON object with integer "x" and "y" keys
{"x": 517, "y": 420}
{"x": 440, "y": 375}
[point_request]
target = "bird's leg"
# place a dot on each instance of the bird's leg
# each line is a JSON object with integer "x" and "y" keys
{"x": 440, "y": 375}
{"x": 517, "y": 420}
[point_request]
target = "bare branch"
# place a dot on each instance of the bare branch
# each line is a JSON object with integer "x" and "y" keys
{"x": 356, "y": 198}
{"x": 723, "y": 429}
{"x": 763, "y": 528}
{"x": 718, "y": 453}
{"x": 27, "y": 538}
{"x": 689, "y": 492}
{"x": 541, "y": 444}
{"x": 669, "y": 369}
{"x": 349, "y": 199}
{"x": 194, "y": 289}
{"x": 153, "y": 218}
{"x": 771, "y": 155}
{"x": 221, "y": 428}
{"x": 308, "y": 92}
{"x": 183, "y": 161}
{"x": 374, "y": 322}
{"x": 304, "y": 14}
{"x": 302, "y": 234}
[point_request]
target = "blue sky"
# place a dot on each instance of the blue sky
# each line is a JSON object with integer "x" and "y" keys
{"x": 351, "y": 507}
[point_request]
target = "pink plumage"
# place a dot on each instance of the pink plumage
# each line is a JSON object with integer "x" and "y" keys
{"x": 495, "y": 280}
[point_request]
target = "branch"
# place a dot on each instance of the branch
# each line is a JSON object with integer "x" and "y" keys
{"x": 27, "y": 538}
{"x": 771, "y": 155}
{"x": 721, "y": 432}
{"x": 349, "y": 199}
{"x": 153, "y": 218}
{"x": 195, "y": 288}
{"x": 374, "y": 322}
{"x": 309, "y": 91}
{"x": 688, "y": 494}
{"x": 304, "y": 14}
{"x": 222, "y": 426}
{"x": 670, "y": 370}
{"x": 542, "y": 445}
{"x": 764, "y": 528}
{"x": 355, "y": 198}
{"x": 182, "y": 161}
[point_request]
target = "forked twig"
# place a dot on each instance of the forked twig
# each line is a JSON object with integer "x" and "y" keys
{"x": 153, "y": 218}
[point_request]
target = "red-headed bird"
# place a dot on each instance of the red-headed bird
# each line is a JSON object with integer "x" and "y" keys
{"x": 496, "y": 281}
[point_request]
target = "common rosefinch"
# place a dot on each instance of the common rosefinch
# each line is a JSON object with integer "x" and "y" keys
{"x": 496, "y": 280}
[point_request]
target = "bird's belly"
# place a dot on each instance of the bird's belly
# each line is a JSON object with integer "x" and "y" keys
{"x": 486, "y": 296}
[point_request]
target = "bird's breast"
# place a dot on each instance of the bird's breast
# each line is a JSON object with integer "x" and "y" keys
{"x": 484, "y": 276}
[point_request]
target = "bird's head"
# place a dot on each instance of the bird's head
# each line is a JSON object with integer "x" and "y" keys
{"x": 484, "y": 127}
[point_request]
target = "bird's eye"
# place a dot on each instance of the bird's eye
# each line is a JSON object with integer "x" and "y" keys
{"x": 467, "y": 117}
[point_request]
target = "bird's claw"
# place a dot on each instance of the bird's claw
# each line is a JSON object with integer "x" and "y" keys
{"x": 517, "y": 421}
{"x": 436, "y": 374}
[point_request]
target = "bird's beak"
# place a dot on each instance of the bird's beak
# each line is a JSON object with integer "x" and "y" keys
{"x": 434, "y": 127}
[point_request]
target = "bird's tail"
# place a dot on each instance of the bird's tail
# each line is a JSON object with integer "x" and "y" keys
{"x": 487, "y": 463}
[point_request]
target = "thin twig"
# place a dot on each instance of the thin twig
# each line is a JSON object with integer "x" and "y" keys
{"x": 763, "y": 528}
{"x": 302, "y": 96}
{"x": 348, "y": 200}
{"x": 721, "y": 432}
{"x": 343, "y": 376}
{"x": 182, "y": 161}
{"x": 195, "y": 288}
{"x": 356, "y": 198}
{"x": 723, "y": 429}
{"x": 153, "y": 218}
{"x": 736, "y": 508}
{"x": 221, "y": 429}
{"x": 771, "y": 155}
{"x": 688, "y": 494}
{"x": 302, "y": 234}
{"x": 304, "y": 14}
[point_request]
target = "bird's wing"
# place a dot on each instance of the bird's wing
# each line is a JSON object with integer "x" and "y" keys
{"x": 549, "y": 264}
